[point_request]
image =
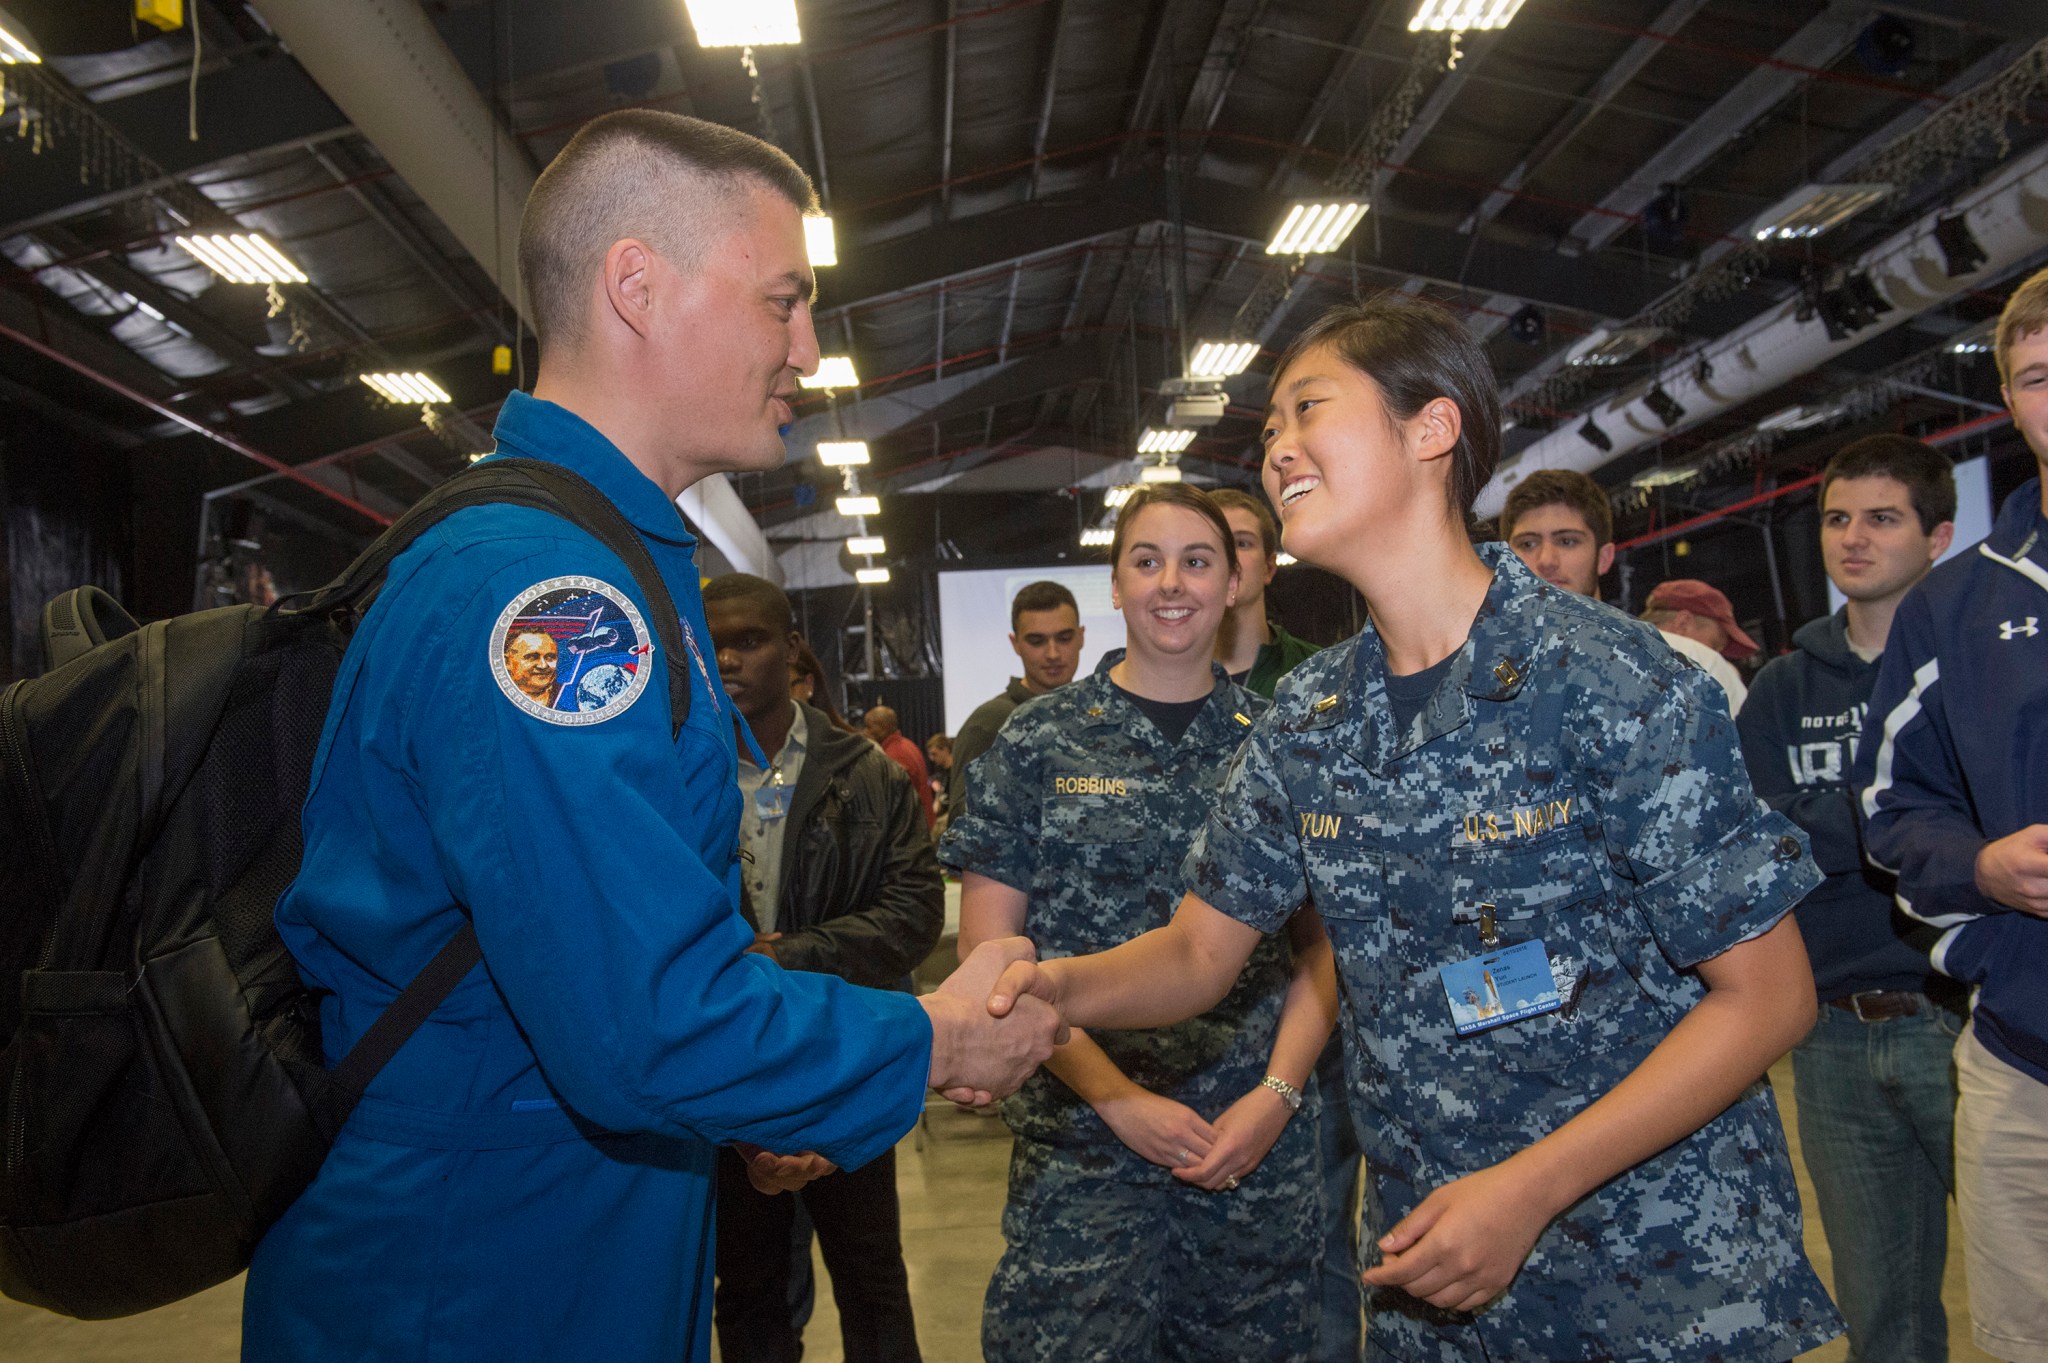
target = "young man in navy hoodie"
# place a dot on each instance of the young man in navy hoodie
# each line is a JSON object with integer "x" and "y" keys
{"x": 1955, "y": 792}
{"x": 1875, "y": 1090}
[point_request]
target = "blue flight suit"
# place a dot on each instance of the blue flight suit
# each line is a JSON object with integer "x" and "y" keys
{"x": 1576, "y": 774}
{"x": 532, "y": 1176}
{"x": 1083, "y": 805}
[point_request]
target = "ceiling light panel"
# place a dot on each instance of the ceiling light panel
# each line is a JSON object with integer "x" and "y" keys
{"x": 1097, "y": 537}
{"x": 1807, "y": 213}
{"x": 834, "y": 371}
{"x": 1156, "y": 440}
{"x": 871, "y": 577}
{"x": 243, "y": 258}
{"x": 1159, "y": 473}
{"x": 1221, "y": 359}
{"x": 866, "y": 544}
{"x": 407, "y": 388}
{"x": 1463, "y": 16}
{"x": 744, "y": 23}
{"x": 859, "y": 506}
{"x": 1316, "y": 229}
{"x": 16, "y": 47}
{"x": 842, "y": 453}
{"x": 819, "y": 243}
{"x": 1118, "y": 495}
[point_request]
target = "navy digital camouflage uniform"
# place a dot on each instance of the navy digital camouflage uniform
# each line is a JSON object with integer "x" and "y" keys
{"x": 1577, "y": 775}
{"x": 1084, "y": 806}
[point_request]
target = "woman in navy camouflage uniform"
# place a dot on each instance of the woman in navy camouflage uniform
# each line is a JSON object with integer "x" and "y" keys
{"x": 1560, "y": 914}
{"x": 1162, "y": 1203}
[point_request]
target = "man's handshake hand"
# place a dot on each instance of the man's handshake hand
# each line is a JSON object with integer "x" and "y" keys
{"x": 976, "y": 1057}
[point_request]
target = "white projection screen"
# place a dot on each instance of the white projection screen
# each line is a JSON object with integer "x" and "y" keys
{"x": 974, "y": 628}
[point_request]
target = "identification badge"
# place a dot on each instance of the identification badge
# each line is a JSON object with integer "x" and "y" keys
{"x": 771, "y": 801}
{"x": 1500, "y": 987}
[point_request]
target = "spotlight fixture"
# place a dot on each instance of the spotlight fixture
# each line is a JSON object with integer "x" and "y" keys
{"x": 1886, "y": 47}
{"x": 1808, "y": 212}
{"x": 837, "y": 454}
{"x": 834, "y": 371}
{"x": 1851, "y": 305}
{"x": 1596, "y": 437}
{"x": 1961, "y": 252}
{"x": 819, "y": 243}
{"x": 859, "y": 506}
{"x": 1976, "y": 346}
{"x": 1118, "y": 495}
{"x": 1159, "y": 473}
{"x": 1527, "y": 324}
{"x": 1703, "y": 371}
{"x": 1316, "y": 228}
{"x": 744, "y": 23}
{"x": 1462, "y": 16}
{"x": 1664, "y": 217}
{"x": 407, "y": 388}
{"x": 1160, "y": 440}
{"x": 871, "y": 577}
{"x": 1097, "y": 537}
{"x": 866, "y": 544}
{"x": 1664, "y": 405}
{"x": 1221, "y": 359}
{"x": 243, "y": 258}
{"x": 17, "y": 45}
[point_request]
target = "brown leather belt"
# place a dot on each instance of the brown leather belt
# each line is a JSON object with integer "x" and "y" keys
{"x": 1881, "y": 1005}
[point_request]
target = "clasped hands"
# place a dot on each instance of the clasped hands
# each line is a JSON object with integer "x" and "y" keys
{"x": 981, "y": 1053}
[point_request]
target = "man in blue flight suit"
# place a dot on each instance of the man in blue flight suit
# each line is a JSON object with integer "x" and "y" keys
{"x": 531, "y": 1176}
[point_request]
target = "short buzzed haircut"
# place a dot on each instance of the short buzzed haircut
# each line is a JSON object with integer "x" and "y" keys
{"x": 1041, "y": 596}
{"x": 1560, "y": 487}
{"x": 1269, "y": 529}
{"x": 641, "y": 173}
{"x": 759, "y": 592}
{"x": 1930, "y": 482}
{"x": 2025, "y": 313}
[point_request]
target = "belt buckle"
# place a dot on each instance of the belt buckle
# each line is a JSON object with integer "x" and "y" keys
{"x": 1856, "y": 1006}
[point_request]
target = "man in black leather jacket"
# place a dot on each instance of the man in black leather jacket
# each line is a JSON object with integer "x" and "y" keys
{"x": 837, "y": 876}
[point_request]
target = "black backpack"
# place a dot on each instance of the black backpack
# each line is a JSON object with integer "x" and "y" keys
{"x": 163, "y": 1097}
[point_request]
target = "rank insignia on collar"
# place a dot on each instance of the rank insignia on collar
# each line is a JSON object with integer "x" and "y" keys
{"x": 1506, "y": 673}
{"x": 1095, "y": 712}
{"x": 1239, "y": 717}
{"x": 1325, "y": 705}
{"x": 571, "y": 650}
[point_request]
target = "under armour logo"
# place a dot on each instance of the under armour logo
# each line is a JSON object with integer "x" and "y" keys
{"x": 2008, "y": 630}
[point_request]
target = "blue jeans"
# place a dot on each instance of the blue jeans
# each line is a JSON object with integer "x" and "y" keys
{"x": 1876, "y": 1127}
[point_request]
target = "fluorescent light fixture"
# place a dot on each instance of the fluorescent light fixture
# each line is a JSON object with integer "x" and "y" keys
{"x": 839, "y": 454}
{"x": 744, "y": 23}
{"x": 819, "y": 243}
{"x": 1613, "y": 347}
{"x": 1283, "y": 559}
{"x": 866, "y": 544}
{"x": 1158, "y": 440}
{"x": 407, "y": 388}
{"x": 834, "y": 371}
{"x": 1663, "y": 477}
{"x": 1807, "y": 213}
{"x": 871, "y": 577}
{"x": 1970, "y": 345}
{"x": 1118, "y": 495}
{"x": 17, "y": 47}
{"x": 1159, "y": 473}
{"x": 859, "y": 506}
{"x": 1221, "y": 359}
{"x": 1098, "y": 537}
{"x": 243, "y": 258}
{"x": 1463, "y": 16}
{"x": 1316, "y": 229}
{"x": 147, "y": 311}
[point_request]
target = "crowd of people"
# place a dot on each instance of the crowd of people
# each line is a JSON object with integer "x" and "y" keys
{"x": 1412, "y": 996}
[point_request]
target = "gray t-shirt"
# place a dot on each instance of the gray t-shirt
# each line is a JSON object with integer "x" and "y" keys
{"x": 761, "y": 793}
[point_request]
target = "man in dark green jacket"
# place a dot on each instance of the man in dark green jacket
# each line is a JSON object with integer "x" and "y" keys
{"x": 1252, "y": 647}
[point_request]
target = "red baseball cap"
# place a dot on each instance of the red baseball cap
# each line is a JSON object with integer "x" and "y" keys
{"x": 1691, "y": 594}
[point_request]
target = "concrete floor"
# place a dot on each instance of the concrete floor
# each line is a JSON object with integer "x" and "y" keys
{"x": 952, "y": 1204}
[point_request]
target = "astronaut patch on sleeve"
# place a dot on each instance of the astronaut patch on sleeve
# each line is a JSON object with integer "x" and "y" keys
{"x": 571, "y": 650}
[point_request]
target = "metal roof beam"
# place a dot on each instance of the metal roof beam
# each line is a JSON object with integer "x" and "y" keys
{"x": 1815, "y": 46}
{"x": 1050, "y": 85}
{"x": 1228, "y": 43}
{"x": 1319, "y": 109}
{"x": 1626, "y": 68}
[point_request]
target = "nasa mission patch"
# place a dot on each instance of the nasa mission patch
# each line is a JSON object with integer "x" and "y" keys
{"x": 571, "y": 650}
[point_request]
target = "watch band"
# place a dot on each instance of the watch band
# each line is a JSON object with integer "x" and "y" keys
{"x": 1289, "y": 1094}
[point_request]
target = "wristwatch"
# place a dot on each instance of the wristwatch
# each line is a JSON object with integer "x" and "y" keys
{"x": 1289, "y": 1094}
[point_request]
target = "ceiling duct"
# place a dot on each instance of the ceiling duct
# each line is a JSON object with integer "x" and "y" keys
{"x": 1908, "y": 270}
{"x": 386, "y": 67}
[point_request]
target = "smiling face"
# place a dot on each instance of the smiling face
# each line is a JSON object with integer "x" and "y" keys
{"x": 1048, "y": 644}
{"x": 1871, "y": 541}
{"x": 532, "y": 659}
{"x": 1340, "y": 468}
{"x": 737, "y": 336}
{"x": 2026, "y": 392}
{"x": 1559, "y": 547}
{"x": 1172, "y": 580}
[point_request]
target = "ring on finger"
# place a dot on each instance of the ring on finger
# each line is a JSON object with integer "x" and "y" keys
{"x": 1230, "y": 1184}
{"x": 1187, "y": 1156}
